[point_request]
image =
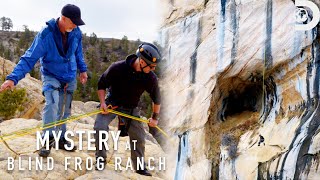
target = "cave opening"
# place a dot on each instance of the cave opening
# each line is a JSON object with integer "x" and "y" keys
{"x": 245, "y": 96}
{"x": 236, "y": 106}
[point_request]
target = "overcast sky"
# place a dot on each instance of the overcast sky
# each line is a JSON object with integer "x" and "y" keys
{"x": 107, "y": 18}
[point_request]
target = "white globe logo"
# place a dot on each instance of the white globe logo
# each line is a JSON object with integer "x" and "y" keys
{"x": 301, "y": 15}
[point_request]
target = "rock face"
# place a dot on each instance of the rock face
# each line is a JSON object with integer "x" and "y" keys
{"x": 234, "y": 70}
{"x": 34, "y": 103}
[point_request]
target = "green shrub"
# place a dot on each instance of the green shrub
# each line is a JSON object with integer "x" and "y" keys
{"x": 11, "y": 102}
{"x": 146, "y": 105}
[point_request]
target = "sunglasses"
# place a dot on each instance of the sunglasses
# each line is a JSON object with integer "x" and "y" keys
{"x": 152, "y": 67}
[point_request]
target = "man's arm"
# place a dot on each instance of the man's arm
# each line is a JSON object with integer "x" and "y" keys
{"x": 83, "y": 77}
{"x": 154, "y": 92}
{"x": 156, "y": 108}
{"x": 104, "y": 82}
{"x": 28, "y": 60}
{"x": 102, "y": 96}
{"x": 153, "y": 121}
{"x": 8, "y": 84}
{"x": 81, "y": 63}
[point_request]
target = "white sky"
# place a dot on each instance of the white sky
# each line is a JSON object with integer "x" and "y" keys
{"x": 106, "y": 18}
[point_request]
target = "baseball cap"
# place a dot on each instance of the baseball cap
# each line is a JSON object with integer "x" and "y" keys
{"x": 72, "y": 12}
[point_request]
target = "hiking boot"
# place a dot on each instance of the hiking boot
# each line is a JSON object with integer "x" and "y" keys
{"x": 101, "y": 164}
{"x": 144, "y": 172}
{"x": 63, "y": 142}
{"x": 43, "y": 152}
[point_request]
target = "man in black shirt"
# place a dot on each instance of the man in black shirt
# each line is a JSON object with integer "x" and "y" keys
{"x": 126, "y": 80}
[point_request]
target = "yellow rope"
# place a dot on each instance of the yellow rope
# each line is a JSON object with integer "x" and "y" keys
{"x": 138, "y": 119}
{"x": 27, "y": 131}
{"x": 11, "y": 150}
{"x": 50, "y": 125}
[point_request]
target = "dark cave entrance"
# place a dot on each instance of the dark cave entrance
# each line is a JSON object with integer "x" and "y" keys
{"x": 245, "y": 96}
{"x": 236, "y": 106}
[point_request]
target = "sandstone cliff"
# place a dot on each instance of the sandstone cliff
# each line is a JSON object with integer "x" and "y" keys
{"x": 233, "y": 70}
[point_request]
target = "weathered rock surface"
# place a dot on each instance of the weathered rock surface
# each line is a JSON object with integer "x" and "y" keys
{"x": 225, "y": 59}
{"x": 25, "y": 147}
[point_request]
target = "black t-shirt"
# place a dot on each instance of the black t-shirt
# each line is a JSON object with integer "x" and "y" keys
{"x": 64, "y": 38}
{"x": 126, "y": 85}
{"x": 64, "y": 42}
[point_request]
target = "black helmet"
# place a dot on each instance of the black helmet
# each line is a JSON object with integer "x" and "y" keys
{"x": 149, "y": 53}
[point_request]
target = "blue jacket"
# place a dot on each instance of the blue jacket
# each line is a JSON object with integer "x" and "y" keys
{"x": 47, "y": 46}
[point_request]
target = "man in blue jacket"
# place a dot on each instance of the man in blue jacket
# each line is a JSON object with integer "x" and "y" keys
{"x": 59, "y": 48}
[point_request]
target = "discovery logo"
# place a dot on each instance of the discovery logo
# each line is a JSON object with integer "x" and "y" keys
{"x": 302, "y": 15}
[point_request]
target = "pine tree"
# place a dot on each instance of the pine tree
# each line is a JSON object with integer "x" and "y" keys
{"x": 93, "y": 39}
{"x": 7, "y": 54}
{"x": 125, "y": 44}
{"x": 6, "y": 24}
{"x": 1, "y": 50}
{"x": 12, "y": 101}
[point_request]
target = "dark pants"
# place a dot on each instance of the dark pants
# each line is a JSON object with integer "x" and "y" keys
{"x": 135, "y": 132}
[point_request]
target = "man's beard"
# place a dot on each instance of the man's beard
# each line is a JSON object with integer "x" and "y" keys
{"x": 69, "y": 30}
